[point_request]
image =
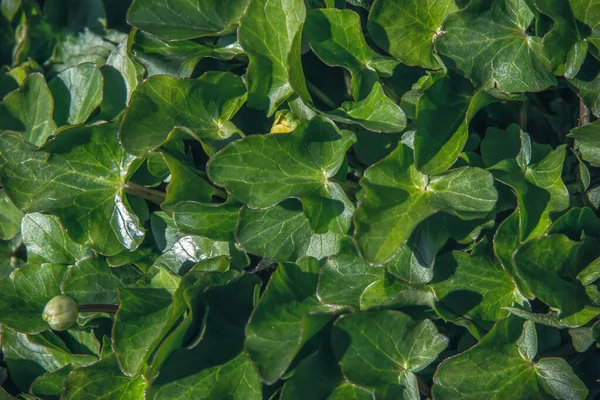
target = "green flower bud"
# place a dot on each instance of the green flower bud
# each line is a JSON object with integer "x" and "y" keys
{"x": 60, "y": 313}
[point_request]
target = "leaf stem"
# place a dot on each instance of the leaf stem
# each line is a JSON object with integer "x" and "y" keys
{"x": 104, "y": 308}
{"x": 424, "y": 389}
{"x": 523, "y": 115}
{"x": 320, "y": 95}
{"x": 584, "y": 114}
{"x": 154, "y": 196}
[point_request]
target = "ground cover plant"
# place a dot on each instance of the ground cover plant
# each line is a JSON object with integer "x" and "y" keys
{"x": 299, "y": 199}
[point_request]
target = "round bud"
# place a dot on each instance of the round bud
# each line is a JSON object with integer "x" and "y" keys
{"x": 60, "y": 313}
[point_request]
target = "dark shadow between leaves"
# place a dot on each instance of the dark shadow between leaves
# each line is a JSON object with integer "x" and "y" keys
{"x": 462, "y": 301}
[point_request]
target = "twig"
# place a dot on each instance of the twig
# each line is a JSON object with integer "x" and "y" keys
{"x": 320, "y": 94}
{"x": 584, "y": 113}
{"x": 104, "y": 308}
{"x": 154, "y": 196}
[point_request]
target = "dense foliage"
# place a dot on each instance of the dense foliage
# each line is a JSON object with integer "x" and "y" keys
{"x": 300, "y": 199}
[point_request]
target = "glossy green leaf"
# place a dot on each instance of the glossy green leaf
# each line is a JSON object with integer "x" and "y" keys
{"x": 488, "y": 42}
{"x": 493, "y": 362}
{"x": 266, "y": 33}
{"x": 345, "y": 276}
{"x": 534, "y": 173}
{"x": 546, "y": 265}
{"x": 47, "y": 241}
{"x": 262, "y": 170}
{"x": 406, "y": 28}
{"x": 29, "y": 110}
{"x": 182, "y": 19}
{"x": 376, "y": 112}
{"x": 588, "y": 137}
{"x": 25, "y": 293}
{"x": 214, "y": 221}
{"x": 145, "y": 314}
{"x": 93, "y": 380}
{"x": 77, "y": 92}
{"x": 85, "y": 192}
{"x": 10, "y": 217}
{"x": 444, "y": 112}
{"x": 93, "y": 281}
{"x": 337, "y": 39}
{"x": 473, "y": 286}
{"x": 397, "y": 198}
{"x": 286, "y": 317}
{"x": 50, "y": 385}
{"x": 384, "y": 349}
{"x": 216, "y": 367}
{"x": 178, "y": 59}
{"x": 199, "y": 107}
{"x": 283, "y": 233}
{"x": 30, "y": 356}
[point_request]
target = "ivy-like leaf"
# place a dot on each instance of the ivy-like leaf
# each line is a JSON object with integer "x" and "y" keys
{"x": 488, "y": 42}
{"x": 534, "y": 174}
{"x": 406, "y": 28}
{"x": 29, "y": 110}
{"x": 384, "y": 349}
{"x": 286, "y": 317}
{"x": 496, "y": 360}
{"x": 77, "y": 91}
{"x": 263, "y": 170}
{"x": 82, "y": 182}
{"x": 283, "y": 233}
{"x": 336, "y": 37}
{"x": 10, "y": 217}
{"x": 181, "y": 19}
{"x": 398, "y": 197}
{"x": 266, "y": 33}
{"x": 588, "y": 137}
{"x": 199, "y": 107}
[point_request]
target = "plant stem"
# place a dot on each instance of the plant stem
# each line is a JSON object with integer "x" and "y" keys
{"x": 423, "y": 387}
{"x": 155, "y": 196}
{"x": 523, "y": 115}
{"x": 104, "y": 308}
{"x": 584, "y": 114}
{"x": 320, "y": 94}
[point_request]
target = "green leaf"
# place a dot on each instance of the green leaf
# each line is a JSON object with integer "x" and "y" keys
{"x": 199, "y": 107}
{"x": 286, "y": 317}
{"x": 50, "y": 385}
{"x": 587, "y": 84}
{"x": 29, "y": 110}
{"x": 25, "y": 293}
{"x": 121, "y": 76}
{"x": 588, "y": 137}
{"x": 586, "y": 11}
{"x": 444, "y": 112}
{"x": 488, "y": 42}
{"x": 474, "y": 287}
{"x": 82, "y": 182}
{"x": 376, "y": 112}
{"x": 337, "y": 39}
{"x": 495, "y": 366}
{"x": 406, "y": 28}
{"x": 345, "y": 276}
{"x": 145, "y": 315}
{"x": 10, "y": 217}
{"x": 283, "y": 233}
{"x": 217, "y": 367}
{"x": 182, "y": 19}
{"x": 178, "y": 59}
{"x": 266, "y": 33}
{"x": 30, "y": 356}
{"x": 318, "y": 376}
{"x": 547, "y": 265}
{"x": 262, "y": 170}
{"x": 47, "y": 241}
{"x": 533, "y": 173}
{"x": 214, "y": 221}
{"x": 93, "y": 281}
{"x": 77, "y": 92}
{"x": 182, "y": 175}
{"x": 397, "y": 198}
{"x": 93, "y": 380}
{"x": 384, "y": 349}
